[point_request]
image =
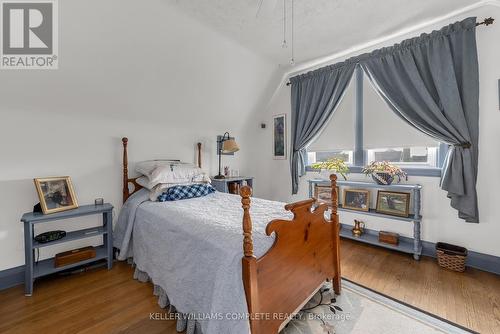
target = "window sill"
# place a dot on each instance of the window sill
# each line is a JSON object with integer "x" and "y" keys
{"x": 430, "y": 172}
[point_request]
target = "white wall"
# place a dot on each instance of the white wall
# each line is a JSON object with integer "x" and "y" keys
{"x": 440, "y": 220}
{"x": 126, "y": 69}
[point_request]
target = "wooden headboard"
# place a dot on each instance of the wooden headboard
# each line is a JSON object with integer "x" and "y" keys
{"x": 133, "y": 181}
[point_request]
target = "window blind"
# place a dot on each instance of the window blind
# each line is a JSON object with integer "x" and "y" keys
{"x": 339, "y": 131}
{"x": 383, "y": 129}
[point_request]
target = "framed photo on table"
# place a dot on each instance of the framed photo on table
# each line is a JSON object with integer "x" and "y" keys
{"x": 323, "y": 194}
{"x": 279, "y": 137}
{"x": 56, "y": 194}
{"x": 393, "y": 203}
{"x": 356, "y": 199}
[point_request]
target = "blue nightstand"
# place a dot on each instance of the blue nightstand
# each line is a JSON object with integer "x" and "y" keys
{"x": 223, "y": 185}
{"x": 46, "y": 267}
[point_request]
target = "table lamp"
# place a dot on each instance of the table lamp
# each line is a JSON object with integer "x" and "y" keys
{"x": 225, "y": 144}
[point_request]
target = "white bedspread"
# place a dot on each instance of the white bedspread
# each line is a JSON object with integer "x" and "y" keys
{"x": 193, "y": 250}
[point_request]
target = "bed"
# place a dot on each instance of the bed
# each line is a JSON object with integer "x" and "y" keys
{"x": 194, "y": 250}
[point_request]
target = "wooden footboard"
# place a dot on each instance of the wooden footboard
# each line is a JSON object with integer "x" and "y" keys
{"x": 305, "y": 253}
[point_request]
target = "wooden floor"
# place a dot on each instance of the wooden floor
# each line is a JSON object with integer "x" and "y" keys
{"x": 102, "y": 301}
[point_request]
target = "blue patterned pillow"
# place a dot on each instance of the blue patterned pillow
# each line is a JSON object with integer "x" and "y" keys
{"x": 176, "y": 193}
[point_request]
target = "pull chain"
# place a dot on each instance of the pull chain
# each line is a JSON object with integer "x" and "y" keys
{"x": 292, "y": 60}
{"x": 284, "y": 45}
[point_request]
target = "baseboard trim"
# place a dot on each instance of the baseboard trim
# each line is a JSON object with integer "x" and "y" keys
{"x": 490, "y": 263}
{"x": 11, "y": 277}
{"x": 484, "y": 262}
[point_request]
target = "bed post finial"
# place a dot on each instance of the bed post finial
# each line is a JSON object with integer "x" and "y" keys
{"x": 245, "y": 194}
{"x": 125, "y": 169}
{"x": 199, "y": 154}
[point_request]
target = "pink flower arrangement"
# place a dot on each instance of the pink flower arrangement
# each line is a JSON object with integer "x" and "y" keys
{"x": 383, "y": 167}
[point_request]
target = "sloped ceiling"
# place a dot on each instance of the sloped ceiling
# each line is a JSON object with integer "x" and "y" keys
{"x": 322, "y": 27}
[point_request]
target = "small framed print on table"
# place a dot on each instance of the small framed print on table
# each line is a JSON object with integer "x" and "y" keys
{"x": 279, "y": 137}
{"x": 393, "y": 203}
{"x": 356, "y": 199}
{"x": 55, "y": 194}
{"x": 323, "y": 194}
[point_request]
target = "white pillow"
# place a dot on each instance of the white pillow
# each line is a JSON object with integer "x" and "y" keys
{"x": 168, "y": 171}
{"x": 160, "y": 188}
{"x": 157, "y": 189}
{"x": 176, "y": 174}
{"x": 147, "y": 167}
{"x": 144, "y": 182}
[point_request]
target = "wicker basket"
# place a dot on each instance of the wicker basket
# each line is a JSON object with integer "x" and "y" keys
{"x": 451, "y": 257}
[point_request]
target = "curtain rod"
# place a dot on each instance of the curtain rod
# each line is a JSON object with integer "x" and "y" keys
{"x": 488, "y": 21}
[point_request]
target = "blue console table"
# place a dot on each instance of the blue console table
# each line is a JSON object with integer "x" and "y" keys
{"x": 406, "y": 245}
{"x": 46, "y": 267}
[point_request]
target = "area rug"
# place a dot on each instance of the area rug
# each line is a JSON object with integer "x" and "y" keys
{"x": 361, "y": 310}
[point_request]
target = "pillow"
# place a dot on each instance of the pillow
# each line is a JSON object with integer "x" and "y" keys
{"x": 177, "y": 174}
{"x": 144, "y": 182}
{"x": 160, "y": 188}
{"x": 146, "y": 167}
{"x": 168, "y": 171}
{"x": 176, "y": 193}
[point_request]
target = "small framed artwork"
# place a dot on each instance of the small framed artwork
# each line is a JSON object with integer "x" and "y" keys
{"x": 356, "y": 199}
{"x": 279, "y": 137}
{"x": 55, "y": 194}
{"x": 393, "y": 203}
{"x": 323, "y": 194}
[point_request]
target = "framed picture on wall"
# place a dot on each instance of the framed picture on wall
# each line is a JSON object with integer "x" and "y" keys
{"x": 279, "y": 137}
{"x": 55, "y": 194}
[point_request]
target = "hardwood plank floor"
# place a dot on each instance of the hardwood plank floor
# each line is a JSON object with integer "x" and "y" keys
{"x": 101, "y": 301}
{"x": 471, "y": 299}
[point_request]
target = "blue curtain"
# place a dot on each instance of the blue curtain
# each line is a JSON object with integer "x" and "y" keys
{"x": 314, "y": 98}
{"x": 432, "y": 82}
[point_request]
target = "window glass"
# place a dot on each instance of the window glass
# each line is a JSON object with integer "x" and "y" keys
{"x": 313, "y": 157}
{"x": 406, "y": 156}
{"x": 386, "y": 137}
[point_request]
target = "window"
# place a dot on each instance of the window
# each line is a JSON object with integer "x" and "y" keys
{"x": 386, "y": 137}
{"x": 408, "y": 157}
{"x": 365, "y": 129}
{"x": 337, "y": 139}
{"x": 313, "y": 157}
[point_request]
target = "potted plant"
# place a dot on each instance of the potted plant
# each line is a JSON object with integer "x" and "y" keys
{"x": 384, "y": 173}
{"x": 336, "y": 165}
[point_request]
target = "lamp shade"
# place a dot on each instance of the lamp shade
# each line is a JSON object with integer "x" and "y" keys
{"x": 229, "y": 146}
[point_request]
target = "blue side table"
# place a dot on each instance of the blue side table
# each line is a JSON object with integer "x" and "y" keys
{"x": 46, "y": 267}
{"x": 222, "y": 185}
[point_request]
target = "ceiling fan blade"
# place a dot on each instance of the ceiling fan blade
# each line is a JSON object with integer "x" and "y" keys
{"x": 266, "y": 8}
